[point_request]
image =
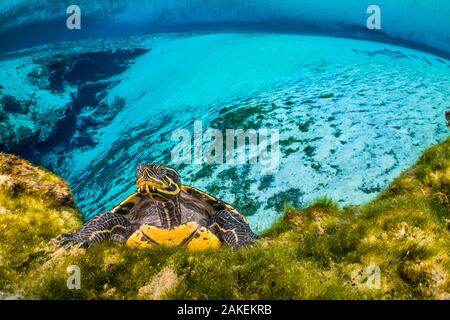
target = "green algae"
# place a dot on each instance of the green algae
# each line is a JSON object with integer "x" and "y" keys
{"x": 266, "y": 182}
{"x": 281, "y": 199}
{"x": 35, "y": 206}
{"x": 309, "y": 151}
{"x": 327, "y": 95}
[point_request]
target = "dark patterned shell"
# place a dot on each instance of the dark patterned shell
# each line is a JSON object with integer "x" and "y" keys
{"x": 194, "y": 200}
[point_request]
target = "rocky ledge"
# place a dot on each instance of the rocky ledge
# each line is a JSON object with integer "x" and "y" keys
{"x": 395, "y": 247}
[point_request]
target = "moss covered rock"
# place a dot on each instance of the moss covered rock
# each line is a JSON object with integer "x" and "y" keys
{"x": 395, "y": 247}
{"x": 35, "y": 206}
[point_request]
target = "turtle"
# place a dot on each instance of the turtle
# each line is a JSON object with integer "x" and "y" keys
{"x": 165, "y": 212}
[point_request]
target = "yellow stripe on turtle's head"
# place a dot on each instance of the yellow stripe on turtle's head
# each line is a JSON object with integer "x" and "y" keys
{"x": 158, "y": 179}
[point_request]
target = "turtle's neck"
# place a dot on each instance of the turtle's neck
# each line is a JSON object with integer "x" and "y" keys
{"x": 169, "y": 211}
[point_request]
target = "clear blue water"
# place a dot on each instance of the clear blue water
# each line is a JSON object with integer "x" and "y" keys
{"x": 352, "y": 114}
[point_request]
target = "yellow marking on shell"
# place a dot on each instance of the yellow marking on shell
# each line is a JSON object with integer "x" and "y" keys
{"x": 137, "y": 240}
{"x": 165, "y": 237}
{"x": 105, "y": 231}
{"x": 170, "y": 237}
{"x": 206, "y": 240}
{"x": 133, "y": 199}
{"x": 202, "y": 238}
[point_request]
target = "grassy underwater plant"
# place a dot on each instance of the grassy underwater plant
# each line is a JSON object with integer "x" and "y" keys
{"x": 318, "y": 252}
{"x": 35, "y": 206}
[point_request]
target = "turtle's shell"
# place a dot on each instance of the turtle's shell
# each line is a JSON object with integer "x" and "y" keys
{"x": 197, "y": 208}
{"x": 196, "y": 202}
{"x": 195, "y": 205}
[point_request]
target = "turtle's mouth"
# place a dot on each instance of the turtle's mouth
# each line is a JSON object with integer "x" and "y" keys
{"x": 150, "y": 187}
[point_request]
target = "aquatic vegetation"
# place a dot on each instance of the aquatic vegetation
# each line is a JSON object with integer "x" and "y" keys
{"x": 326, "y": 95}
{"x": 321, "y": 251}
{"x": 279, "y": 201}
{"x": 35, "y": 206}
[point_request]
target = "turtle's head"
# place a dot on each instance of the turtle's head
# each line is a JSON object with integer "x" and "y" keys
{"x": 158, "y": 179}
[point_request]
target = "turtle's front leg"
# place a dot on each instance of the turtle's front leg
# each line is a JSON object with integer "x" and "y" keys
{"x": 105, "y": 226}
{"x": 233, "y": 229}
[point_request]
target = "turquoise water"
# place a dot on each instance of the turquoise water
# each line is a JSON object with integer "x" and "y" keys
{"x": 351, "y": 115}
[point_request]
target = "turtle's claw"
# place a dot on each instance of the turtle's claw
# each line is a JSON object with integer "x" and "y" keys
{"x": 67, "y": 239}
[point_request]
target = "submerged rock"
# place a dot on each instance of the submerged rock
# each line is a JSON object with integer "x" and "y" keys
{"x": 20, "y": 178}
{"x": 159, "y": 285}
{"x": 11, "y": 104}
{"x": 11, "y": 296}
{"x": 35, "y": 206}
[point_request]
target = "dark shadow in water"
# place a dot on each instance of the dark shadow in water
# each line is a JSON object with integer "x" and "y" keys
{"x": 88, "y": 72}
{"x": 56, "y": 31}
